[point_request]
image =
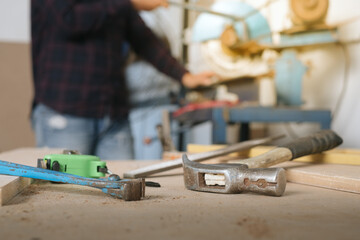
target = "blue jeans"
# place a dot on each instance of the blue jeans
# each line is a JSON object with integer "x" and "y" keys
{"x": 104, "y": 137}
{"x": 143, "y": 121}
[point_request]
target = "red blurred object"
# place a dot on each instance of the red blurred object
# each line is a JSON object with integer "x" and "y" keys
{"x": 203, "y": 105}
{"x": 147, "y": 140}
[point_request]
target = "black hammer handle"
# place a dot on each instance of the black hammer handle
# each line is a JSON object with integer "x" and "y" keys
{"x": 316, "y": 143}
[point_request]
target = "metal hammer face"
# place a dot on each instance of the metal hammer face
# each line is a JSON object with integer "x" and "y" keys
{"x": 233, "y": 178}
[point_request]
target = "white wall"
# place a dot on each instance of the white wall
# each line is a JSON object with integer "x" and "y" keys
{"x": 347, "y": 121}
{"x": 334, "y": 71}
{"x": 14, "y": 21}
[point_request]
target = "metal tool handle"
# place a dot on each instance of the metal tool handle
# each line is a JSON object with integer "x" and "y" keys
{"x": 316, "y": 143}
{"x": 269, "y": 181}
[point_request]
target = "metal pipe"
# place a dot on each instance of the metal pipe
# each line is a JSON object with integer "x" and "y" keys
{"x": 203, "y": 9}
{"x": 206, "y": 10}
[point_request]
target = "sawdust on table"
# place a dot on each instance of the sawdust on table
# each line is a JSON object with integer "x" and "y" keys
{"x": 256, "y": 227}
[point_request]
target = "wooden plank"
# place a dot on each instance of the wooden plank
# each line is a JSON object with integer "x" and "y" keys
{"x": 198, "y": 148}
{"x": 331, "y": 176}
{"x": 10, "y": 186}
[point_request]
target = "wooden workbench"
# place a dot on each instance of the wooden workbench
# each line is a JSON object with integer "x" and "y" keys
{"x": 58, "y": 211}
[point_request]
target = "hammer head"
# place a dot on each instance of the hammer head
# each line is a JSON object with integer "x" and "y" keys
{"x": 128, "y": 189}
{"x": 233, "y": 178}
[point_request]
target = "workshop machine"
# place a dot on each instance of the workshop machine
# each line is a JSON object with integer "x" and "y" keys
{"x": 238, "y": 43}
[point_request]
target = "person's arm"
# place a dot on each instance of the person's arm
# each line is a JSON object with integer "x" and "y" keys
{"x": 148, "y": 5}
{"x": 190, "y": 80}
{"x": 152, "y": 49}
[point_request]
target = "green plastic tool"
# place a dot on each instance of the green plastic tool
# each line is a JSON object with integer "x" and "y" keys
{"x": 82, "y": 165}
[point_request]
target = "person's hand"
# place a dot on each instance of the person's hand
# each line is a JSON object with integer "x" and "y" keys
{"x": 148, "y": 5}
{"x": 201, "y": 79}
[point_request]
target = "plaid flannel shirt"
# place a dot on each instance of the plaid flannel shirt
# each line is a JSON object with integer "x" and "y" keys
{"x": 78, "y": 55}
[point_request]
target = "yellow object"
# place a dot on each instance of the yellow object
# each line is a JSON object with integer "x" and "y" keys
{"x": 309, "y": 12}
{"x": 198, "y": 148}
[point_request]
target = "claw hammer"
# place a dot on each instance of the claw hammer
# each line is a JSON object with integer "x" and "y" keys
{"x": 252, "y": 174}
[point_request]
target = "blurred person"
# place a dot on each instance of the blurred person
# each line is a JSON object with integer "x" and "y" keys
{"x": 151, "y": 92}
{"x": 80, "y": 93}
